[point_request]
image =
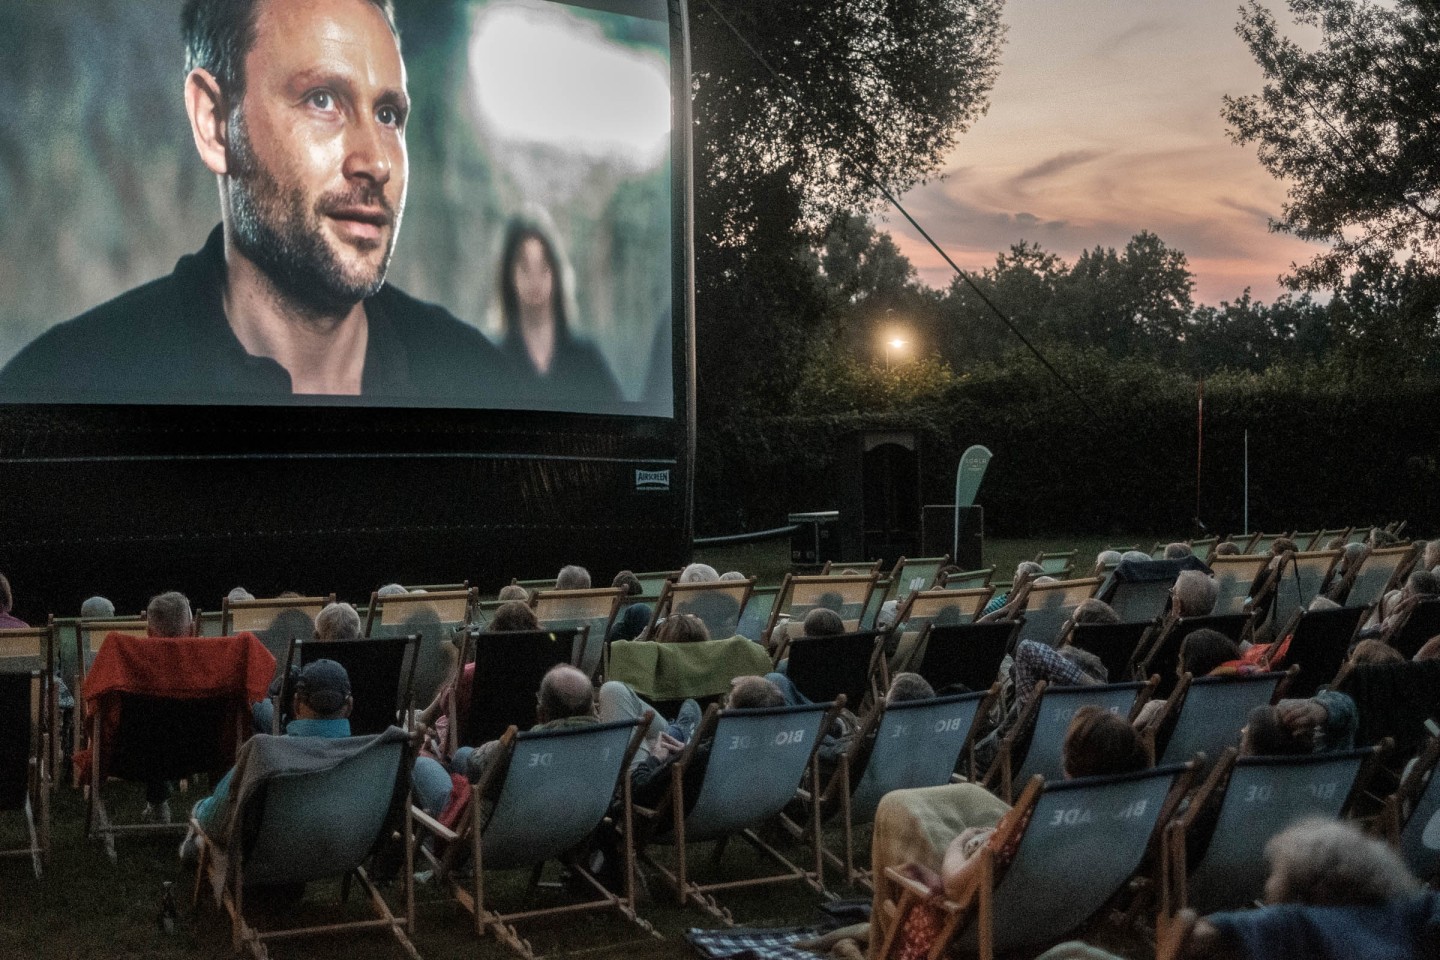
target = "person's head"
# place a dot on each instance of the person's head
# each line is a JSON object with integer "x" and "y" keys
{"x": 747, "y": 693}
{"x": 1328, "y": 863}
{"x": 699, "y": 573}
{"x": 1096, "y": 611}
{"x": 299, "y": 110}
{"x": 1099, "y": 743}
{"x": 1282, "y": 545}
{"x": 1422, "y": 583}
{"x": 628, "y": 583}
{"x": 238, "y": 594}
{"x": 168, "y": 615}
{"x": 681, "y": 628}
{"x": 513, "y": 591}
{"x": 823, "y": 622}
{"x": 1350, "y": 553}
{"x": 338, "y": 621}
{"x": 732, "y": 575}
{"x": 1135, "y": 556}
{"x": 1089, "y": 664}
{"x": 1373, "y": 652}
{"x": 1203, "y": 650}
{"x": 1264, "y": 735}
{"x": 532, "y": 274}
{"x": 1381, "y": 538}
{"x": 889, "y": 610}
{"x": 322, "y": 692}
{"x": 1227, "y": 548}
{"x": 1107, "y": 559}
{"x": 97, "y": 608}
{"x": 909, "y": 686}
{"x": 1430, "y": 556}
{"x": 572, "y": 577}
{"x": 391, "y": 590}
{"x": 1194, "y": 594}
{"x": 7, "y": 599}
{"x": 1178, "y": 551}
{"x": 514, "y": 615}
{"x": 1027, "y": 570}
{"x": 564, "y": 692}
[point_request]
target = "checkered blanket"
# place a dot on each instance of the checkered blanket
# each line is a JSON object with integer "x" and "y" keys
{"x": 738, "y": 943}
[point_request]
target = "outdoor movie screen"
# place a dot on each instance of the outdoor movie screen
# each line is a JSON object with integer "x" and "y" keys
{"x": 478, "y": 216}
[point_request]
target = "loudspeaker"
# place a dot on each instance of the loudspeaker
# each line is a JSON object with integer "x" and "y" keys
{"x": 879, "y": 473}
{"x": 938, "y": 535}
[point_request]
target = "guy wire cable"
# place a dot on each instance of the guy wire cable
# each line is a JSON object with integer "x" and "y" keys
{"x": 895, "y": 202}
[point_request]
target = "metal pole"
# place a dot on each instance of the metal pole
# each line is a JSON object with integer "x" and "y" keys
{"x": 1247, "y": 481}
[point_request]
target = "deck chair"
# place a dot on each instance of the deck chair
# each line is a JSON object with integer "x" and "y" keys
{"x": 1080, "y": 844}
{"x": 750, "y": 773}
{"x": 920, "y": 573}
{"x": 652, "y": 582}
{"x": 89, "y": 635}
{"x": 1139, "y": 591}
{"x": 552, "y": 790}
{"x": 1302, "y": 577}
{"x": 1114, "y": 643}
{"x": 166, "y": 709}
{"x": 1410, "y": 820}
{"x": 824, "y": 668}
{"x": 1202, "y": 547}
{"x": 967, "y": 579}
{"x": 1236, "y": 578}
{"x": 1213, "y": 712}
{"x": 938, "y": 607}
{"x": 25, "y": 773}
{"x": 1379, "y": 570}
{"x": 756, "y": 615}
{"x": 1160, "y": 654}
{"x": 1047, "y": 607}
{"x": 870, "y": 616}
{"x": 438, "y": 587}
{"x": 1058, "y": 564}
{"x": 276, "y": 622}
{"x": 25, "y": 650}
{"x": 1418, "y": 625}
{"x": 381, "y": 671}
{"x": 436, "y": 618}
{"x": 918, "y": 743}
{"x": 718, "y": 604}
{"x": 1359, "y": 534}
{"x": 1262, "y": 542}
{"x": 1323, "y": 537}
{"x": 834, "y": 568}
{"x": 964, "y": 658}
{"x": 846, "y": 595}
{"x": 1033, "y": 747}
{"x": 1319, "y": 640}
{"x": 1394, "y": 701}
{"x": 507, "y": 669}
{"x": 1261, "y": 797}
{"x": 573, "y": 608}
{"x": 306, "y": 808}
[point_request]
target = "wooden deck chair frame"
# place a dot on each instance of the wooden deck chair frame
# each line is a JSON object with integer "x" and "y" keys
{"x": 648, "y": 821}
{"x": 1261, "y": 542}
{"x": 1060, "y": 571}
{"x": 1324, "y": 536}
{"x": 1318, "y": 568}
{"x": 1212, "y": 793}
{"x": 1311, "y": 678}
{"x": 839, "y": 789}
{"x": 467, "y": 842}
{"x": 657, "y": 578}
{"x": 1073, "y": 593}
{"x": 466, "y": 596}
{"x": 436, "y": 657}
{"x": 1402, "y": 808}
{"x": 928, "y": 604}
{"x": 295, "y": 656}
{"x": 977, "y": 904}
{"x": 1000, "y": 777}
{"x": 605, "y": 601}
{"x": 1085, "y": 636}
{"x": 902, "y": 586}
{"x": 1244, "y": 570}
{"x": 34, "y": 649}
{"x": 1204, "y": 547}
{"x": 792, "y": 584}
{"x": 1404, "y": 557}
{"x": 236, "y": 615}
{"x": 441, "y": 587}
{"x": 834, "y": 568}
{"x": 967, "y": 579}
{"x": 40, "y": 734}
{"x": 243, "y": 935}
{"x": 673, "y": 592}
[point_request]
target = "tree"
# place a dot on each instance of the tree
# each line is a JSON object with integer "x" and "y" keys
{"x": 1352, "y": 127}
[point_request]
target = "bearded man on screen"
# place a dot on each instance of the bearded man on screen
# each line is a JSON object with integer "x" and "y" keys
{"x": 299, "y": 109}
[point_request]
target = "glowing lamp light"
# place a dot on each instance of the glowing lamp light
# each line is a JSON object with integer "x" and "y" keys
{"x": 897, "y": 343}
{"x": 545, "y": 77}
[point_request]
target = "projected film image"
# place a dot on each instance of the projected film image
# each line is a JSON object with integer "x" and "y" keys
{"x": 475, "y": 215}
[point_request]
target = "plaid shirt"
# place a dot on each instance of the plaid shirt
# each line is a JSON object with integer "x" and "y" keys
{"x": 1036, "y": 661}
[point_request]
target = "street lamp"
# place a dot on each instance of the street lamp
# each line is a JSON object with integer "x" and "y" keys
{"x": 894, "y": 343}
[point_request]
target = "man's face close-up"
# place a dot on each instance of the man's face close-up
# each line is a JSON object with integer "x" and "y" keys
{"x": 317, "y": 151}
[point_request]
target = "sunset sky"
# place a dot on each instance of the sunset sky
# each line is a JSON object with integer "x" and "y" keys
{"x": 1105, "y": 121}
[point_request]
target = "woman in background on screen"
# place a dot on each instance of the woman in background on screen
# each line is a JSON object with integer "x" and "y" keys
{"x": 557, "y": 369}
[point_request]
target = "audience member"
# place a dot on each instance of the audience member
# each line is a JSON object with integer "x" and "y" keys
{"x": 699, "y": 573}
{"x": 238, "y": 594}
{"x": 1025, "y": 571}
{"x": 513, "y": 615}
{"x": 7, "y": 600}
{"x": 391, "y": 590}
{"x": 338, "y": 621}
{"x": 566, "y": 699}
{"x": 572, "y": 577}
{"x": 733, "y": 575}
{"x": 1194, "y": 594}
{"x": 168, "y": 615}
{"x": 822, "y": 622}
{"x": 681, "y": 628}
{"x": 629, "y": 585}
{"x": 1095, "y": 611}
{"x": 1178, "y": 551}
{"x": 1227, "y": 548}
{"x": 513, "y": 591}
{"x": 1105, "y": 561}
{"x": 97, "y": 608}
{"x": 1374, "y": 651}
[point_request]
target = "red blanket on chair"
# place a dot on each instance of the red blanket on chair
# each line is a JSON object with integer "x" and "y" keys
{"x": 183, "y": 668}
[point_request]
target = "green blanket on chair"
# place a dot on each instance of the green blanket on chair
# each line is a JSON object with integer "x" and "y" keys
{"x": 674, "y": 671}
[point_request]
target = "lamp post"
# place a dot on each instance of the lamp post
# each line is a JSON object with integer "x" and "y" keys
{"x": 894, "y": 343}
